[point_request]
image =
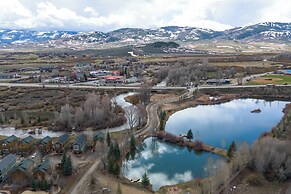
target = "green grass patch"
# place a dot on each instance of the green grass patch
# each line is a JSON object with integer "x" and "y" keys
{"x": 271, "y": 79}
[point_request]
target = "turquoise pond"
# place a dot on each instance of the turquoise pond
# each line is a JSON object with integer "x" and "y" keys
{"x": 217, "y": 125}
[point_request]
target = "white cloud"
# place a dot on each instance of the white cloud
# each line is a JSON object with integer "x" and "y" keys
{"x": 111, "y": 14}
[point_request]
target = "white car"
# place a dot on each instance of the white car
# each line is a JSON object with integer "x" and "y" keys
{"x": 33, "y": 155}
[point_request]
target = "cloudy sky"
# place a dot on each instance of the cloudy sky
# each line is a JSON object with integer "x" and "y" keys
{"x": 106, "y": 15}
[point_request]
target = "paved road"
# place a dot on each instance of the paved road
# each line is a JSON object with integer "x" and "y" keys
{"x": 38, "y": 85}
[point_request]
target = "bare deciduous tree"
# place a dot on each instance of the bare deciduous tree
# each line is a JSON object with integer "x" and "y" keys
{"x": 141, "y": 114}
{"x": 64, "y": 119}
{"x": 145, "y": 93}
{"x": 131, "y": 116}
{"x": 79, "y": 120}
{"x": 271, "y": 158}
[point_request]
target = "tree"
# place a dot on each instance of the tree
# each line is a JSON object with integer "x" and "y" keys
{"x": 210, "y": 170}
{"x": 108, "y": 139}
{"x": 117, "y": 151}
{"x": 145, "y": 180}
{"x": 68, "y": 168}
{"x": 132, "y": 142}
{"x": 79, "y": 119}
{"x": 231, "y": 150}
{"x": 34, "y": 185}
{"x": 63, "y": 159}
{"x": 24, "y": 118}
{"x": 144, "y": 93}
{"x": 119, "y": 189}
{"x": 131, "y": 116}
{"x": 141, "y": 114}
{"x": 64, "y": 118}
{"x": 189, "y": 135}
{"x": 163, "y": 115}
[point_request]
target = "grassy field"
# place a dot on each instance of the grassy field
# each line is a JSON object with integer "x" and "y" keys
{"x": 271, "y": 79}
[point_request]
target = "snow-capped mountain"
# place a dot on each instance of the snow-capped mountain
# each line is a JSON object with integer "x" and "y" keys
{"x": 261, "y": 31}
{"x": 269, "y": 31}
{"x": 23, "y": 36}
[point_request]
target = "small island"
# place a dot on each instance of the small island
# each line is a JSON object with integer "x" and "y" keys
{"x": 256, "y": 110}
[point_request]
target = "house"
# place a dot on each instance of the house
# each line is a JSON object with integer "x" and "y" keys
{"x": 7, "y": 166}
{"x": 132, "y": 80}
{"x": 99, "y": 136}
{"x": 62, "y": 143}
{"x": 23, "y": 173}
{"x": 46, "y": 144}
{"x": 83, "y": 64}
{"x": 218, "y": 81}
{"x": 113, "y": 80}
{"x": 9, "y": 145}
{"x": 26, "y": 145}
{"x": 43, "y": 171}
{"x": 80, "y": 144}
{"x": 9, "y": 75}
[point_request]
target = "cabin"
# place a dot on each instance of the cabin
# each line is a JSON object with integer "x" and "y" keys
{"x": 7, "y": 165}
{"x": 26, "y": 145}
{"x": 23, "y": 173}
{"x": 46, "y": 145}
{"x": 43, "y": 171}
{"x": 80, "y": 144}
{"x": 9, "y": 145}
{"x": 62, "y": 143}
{"x": 99, "y": 136}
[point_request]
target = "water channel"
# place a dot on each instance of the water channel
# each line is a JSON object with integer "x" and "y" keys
{"x": 8, "y": 131}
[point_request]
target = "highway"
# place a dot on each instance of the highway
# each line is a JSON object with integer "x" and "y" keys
{"x": 79, "y": 86}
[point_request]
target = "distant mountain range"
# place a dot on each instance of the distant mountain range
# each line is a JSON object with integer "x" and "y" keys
{"x": 268, "y": 31}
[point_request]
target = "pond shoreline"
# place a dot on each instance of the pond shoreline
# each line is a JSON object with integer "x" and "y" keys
{"x": 203, "y": 99}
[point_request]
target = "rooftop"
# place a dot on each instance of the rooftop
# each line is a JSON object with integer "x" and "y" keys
{"x": 81, "y": 139}
{"x": 45, "y": 140}
{"x": 63, "y": 138}
{"x": 10, "y": 139}
{"x": 27, "y": 140}
{"x": 5, "y": 161}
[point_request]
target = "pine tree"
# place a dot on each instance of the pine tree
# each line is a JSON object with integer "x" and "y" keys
{"x": 132, "y": 142}
{"x": 229, "y": 152}
{"x": 190, "y": 135}
{"x": 108, "y": 139}
{"x": 145, "y": 180}
{"x": 233, "y": 146}
{"x": 117, "y": 152}
{"x": 116, "y": 169}
{"x": 34, "y": 185}
{"x": 68, "y": 168}
{"x": 63, "y": 159}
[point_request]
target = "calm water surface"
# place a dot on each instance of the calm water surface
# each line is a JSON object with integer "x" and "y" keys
{"x": 221, "y": 124}
{"x": 216, "y": 125}
{"x": 165, "y": 163}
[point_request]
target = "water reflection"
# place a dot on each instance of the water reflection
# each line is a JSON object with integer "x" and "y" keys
{"x": 165, "y": 164}
{"x": 219, "y": 125}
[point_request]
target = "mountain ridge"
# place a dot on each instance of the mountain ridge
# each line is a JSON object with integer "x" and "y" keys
{"x": 266, "y": 31}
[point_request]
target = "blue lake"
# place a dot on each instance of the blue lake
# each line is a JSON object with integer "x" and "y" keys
{"x": 220, "y": 124}
{"x": 217, "y": 125}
